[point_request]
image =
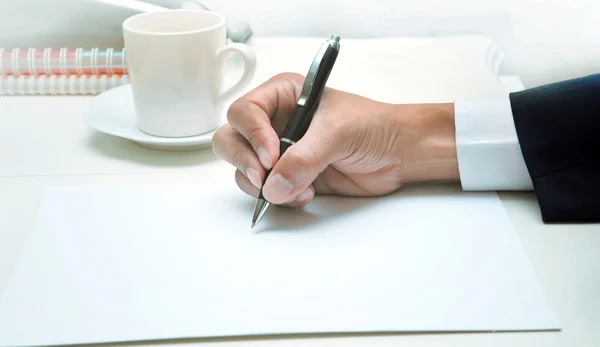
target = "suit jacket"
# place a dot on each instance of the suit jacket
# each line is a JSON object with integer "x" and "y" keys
{"x": 558, "y": 126}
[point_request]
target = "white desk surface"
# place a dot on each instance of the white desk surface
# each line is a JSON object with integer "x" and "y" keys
{"x": 43, "y": 140}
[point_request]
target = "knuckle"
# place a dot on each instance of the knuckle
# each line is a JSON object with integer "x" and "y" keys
{"x": 236, "y": 109}
{"x": 238, "y": 160}
{"x": 289, "y": 83}
{"x": 219, "y": 135}
{"x": 255, "y": 134}
{"x": 250, "y": 127}
{"x": 298, "y": 161}
{"x": 337, "y": 123}
{"x": 218, "y": 141}
{"x": 340, "y": 130}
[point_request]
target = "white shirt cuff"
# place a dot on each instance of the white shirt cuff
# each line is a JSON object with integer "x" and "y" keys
{"x": 489, "y": 155}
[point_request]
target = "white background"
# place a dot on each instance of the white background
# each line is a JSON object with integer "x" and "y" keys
{"x": 543, "y": 40}
{"x": 565, "y": 257}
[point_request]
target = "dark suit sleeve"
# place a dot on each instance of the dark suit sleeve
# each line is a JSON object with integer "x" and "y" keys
{"x": 558, "y": 126}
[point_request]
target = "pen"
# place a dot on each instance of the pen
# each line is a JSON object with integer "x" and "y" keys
{"x": 305, "y": 108}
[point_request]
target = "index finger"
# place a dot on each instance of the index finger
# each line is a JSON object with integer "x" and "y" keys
{"x": 263, "y": 112}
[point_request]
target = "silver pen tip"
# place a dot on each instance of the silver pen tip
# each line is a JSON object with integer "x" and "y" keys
{"x": 335, "y": 38}
{"x": 260, "y": 208}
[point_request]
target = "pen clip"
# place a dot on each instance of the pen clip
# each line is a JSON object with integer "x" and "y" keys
{"x": 314, "y": 68}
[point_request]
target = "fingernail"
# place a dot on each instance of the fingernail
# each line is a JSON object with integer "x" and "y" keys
{"x": 254, "y": 177}
{"x": 277, "y": 189}
{"x": 264, "y": 157}
{"x": 307, "y": 194}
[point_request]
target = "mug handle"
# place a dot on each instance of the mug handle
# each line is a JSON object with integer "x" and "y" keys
{"x": 249, "y": 68}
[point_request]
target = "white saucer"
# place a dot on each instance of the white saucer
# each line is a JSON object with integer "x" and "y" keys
{"x": 112, "y": 112}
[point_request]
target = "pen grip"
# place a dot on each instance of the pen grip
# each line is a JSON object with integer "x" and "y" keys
{"x": 300, "y": 121}
{"x": 283, "y": 146}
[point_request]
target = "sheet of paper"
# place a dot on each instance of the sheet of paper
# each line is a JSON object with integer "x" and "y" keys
{"x": 141, "y": 262}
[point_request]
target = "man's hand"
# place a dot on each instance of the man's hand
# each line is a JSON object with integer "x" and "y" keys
{"x": 354, "y": 146}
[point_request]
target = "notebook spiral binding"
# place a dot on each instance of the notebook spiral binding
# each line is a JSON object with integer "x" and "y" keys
{"x": 62, "y": 61}
{"x": 61, "y": 71}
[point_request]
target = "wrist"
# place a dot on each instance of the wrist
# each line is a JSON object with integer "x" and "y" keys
{"x": 433, "y": 151}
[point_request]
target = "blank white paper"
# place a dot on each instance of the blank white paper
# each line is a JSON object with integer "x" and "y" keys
{"x": 142, "y": 262}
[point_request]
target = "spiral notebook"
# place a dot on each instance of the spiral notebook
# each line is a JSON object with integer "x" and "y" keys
{"x": 62, "y": 61}
{"x": 62, "y": 71}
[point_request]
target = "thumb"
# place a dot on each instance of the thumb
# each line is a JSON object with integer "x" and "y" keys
{"x": 299, "y": 166}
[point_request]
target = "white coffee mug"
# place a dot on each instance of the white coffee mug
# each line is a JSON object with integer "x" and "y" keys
{"x": 175, "y": 60}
